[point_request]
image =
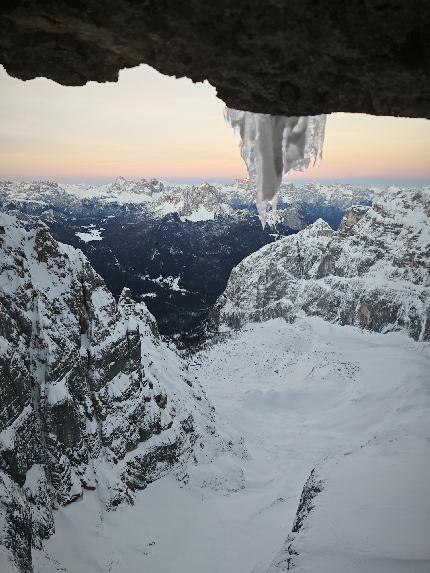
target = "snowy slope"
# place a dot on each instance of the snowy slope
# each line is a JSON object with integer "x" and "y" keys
{"x": 302, "y": 395}
{"x": 373, "y": 272}
{"x": 368, "y": 510}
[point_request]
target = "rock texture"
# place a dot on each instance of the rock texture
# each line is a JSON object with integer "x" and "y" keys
{"x": 373, "y": 272}
{"x": 300, "y": 57}
{"x": 92, "y": 398}
{"x": 284, "y": 561}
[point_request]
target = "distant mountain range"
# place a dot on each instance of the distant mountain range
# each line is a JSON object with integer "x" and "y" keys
{"x": 191, "y": 202}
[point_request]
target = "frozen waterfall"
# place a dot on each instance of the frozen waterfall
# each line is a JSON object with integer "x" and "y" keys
{"x": 272, "y": 145}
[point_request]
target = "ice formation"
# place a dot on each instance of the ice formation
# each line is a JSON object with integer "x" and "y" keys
{"x": 272, "y": 145}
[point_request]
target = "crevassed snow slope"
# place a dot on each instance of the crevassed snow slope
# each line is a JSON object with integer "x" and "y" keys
{"x": 297, "y": 394}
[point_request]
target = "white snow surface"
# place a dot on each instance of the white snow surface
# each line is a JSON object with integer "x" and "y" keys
{"x": 168, "y": 282}
{"x": 91, "y": 235}
{"x": 353, "y": 403}
{"x": 272, "y": 145}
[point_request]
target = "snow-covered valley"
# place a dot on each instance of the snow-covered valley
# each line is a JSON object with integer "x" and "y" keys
{"x": 355, "y": 404}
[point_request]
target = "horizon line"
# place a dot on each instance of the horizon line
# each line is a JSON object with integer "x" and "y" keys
{"x": 216, "y": 179}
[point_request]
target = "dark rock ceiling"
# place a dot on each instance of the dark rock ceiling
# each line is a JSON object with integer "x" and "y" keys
{"x": 291, "y": 57}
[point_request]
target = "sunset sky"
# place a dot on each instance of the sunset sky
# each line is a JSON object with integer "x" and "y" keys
{"x": 149, "y": 125}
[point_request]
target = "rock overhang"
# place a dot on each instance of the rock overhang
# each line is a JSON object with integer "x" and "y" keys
{"x": 301, "y": 57}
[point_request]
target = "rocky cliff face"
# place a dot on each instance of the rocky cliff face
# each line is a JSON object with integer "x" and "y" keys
{"x": 92, "y": 398}
{"x": 372, "y": 272}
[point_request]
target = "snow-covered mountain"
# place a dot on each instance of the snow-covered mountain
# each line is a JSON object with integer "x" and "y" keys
{"x": 91, "y": 396}
{"x": 335, "y": 194}
{"x": 364, "y": 510}
{"x": 193, "y": 203}
{"x": 373, "y": 272}
{"x": 52, "y": 192}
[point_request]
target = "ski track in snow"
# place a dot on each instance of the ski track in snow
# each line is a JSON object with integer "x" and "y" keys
{"x": 298, "y": 394}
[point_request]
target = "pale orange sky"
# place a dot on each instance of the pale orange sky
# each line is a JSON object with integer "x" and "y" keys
{"x": 149, "y": 125}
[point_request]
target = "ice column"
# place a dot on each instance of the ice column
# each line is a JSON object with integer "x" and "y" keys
{"x": 272, "y": 145}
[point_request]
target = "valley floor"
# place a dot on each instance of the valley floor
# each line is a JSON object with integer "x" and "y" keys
{"x": 354, "y": 403}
